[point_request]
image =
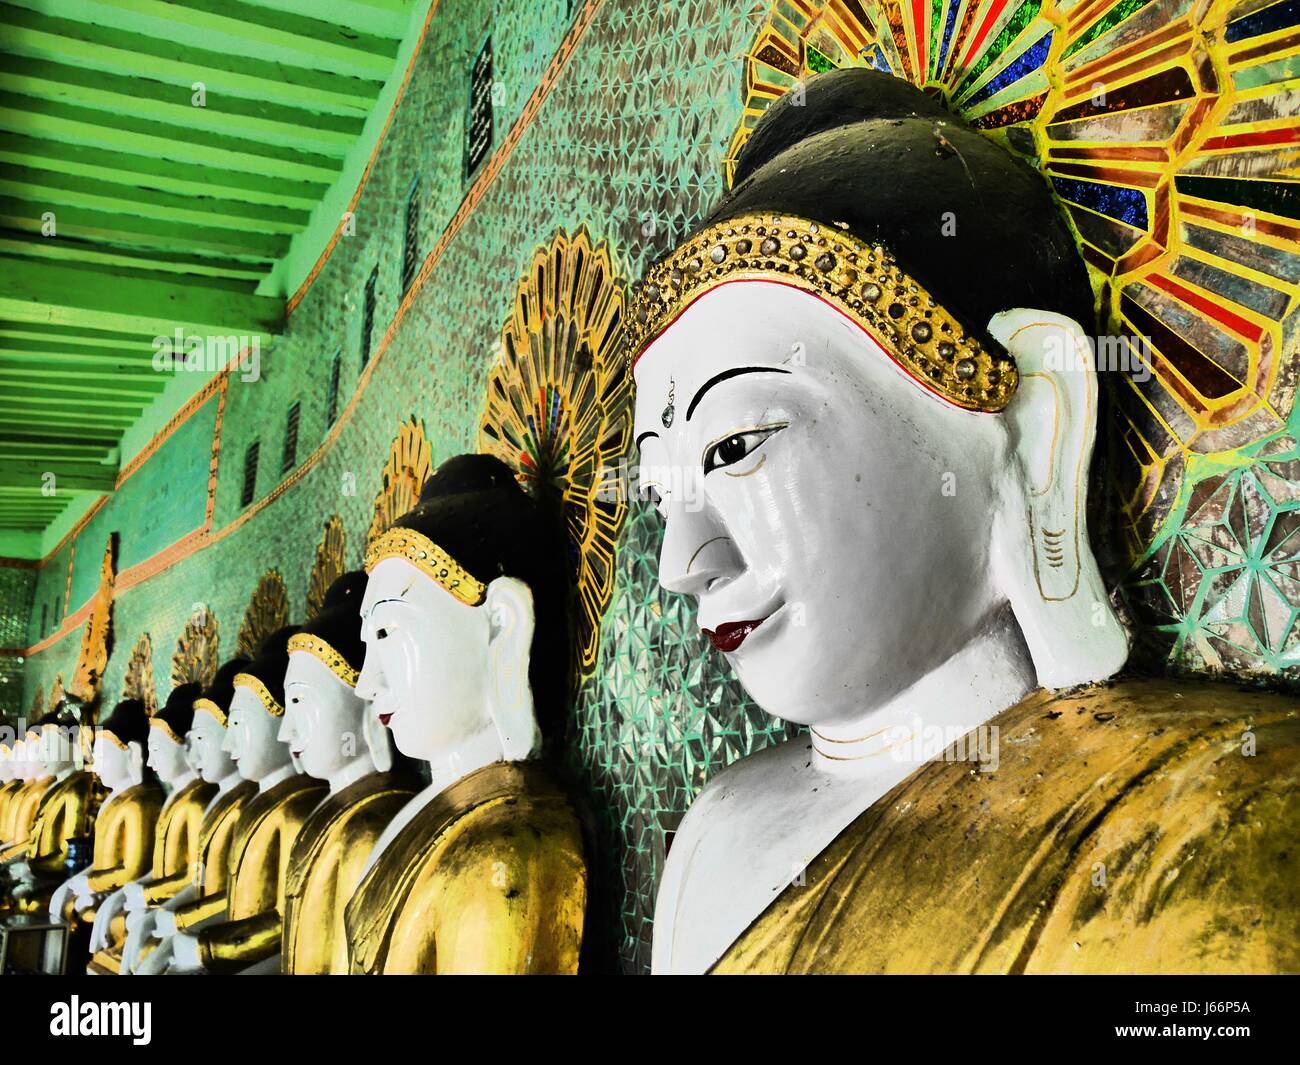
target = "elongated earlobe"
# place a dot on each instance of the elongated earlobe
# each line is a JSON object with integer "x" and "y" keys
{"x": 135, "y": 759}
{"x": 378, "y": 739}
{"x": 510, "y": 638}
{"x": 1043, "y": 556}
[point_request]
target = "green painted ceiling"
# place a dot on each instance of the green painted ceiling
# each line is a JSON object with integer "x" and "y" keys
{"x": 159, "y": 159}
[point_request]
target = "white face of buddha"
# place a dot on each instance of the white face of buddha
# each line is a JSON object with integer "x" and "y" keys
{"x": 166, "y": 756}
{"x": 207, "y": 738}
{"x": 112, "y": 763}
{"x": 323, "y": 717}
{"x": 7, "y": 770}
{"x": 56, "y": 749}
{"x": 426, "y": 667}
{"x": 251, "y": 737}
{"x": 822, "y": 509}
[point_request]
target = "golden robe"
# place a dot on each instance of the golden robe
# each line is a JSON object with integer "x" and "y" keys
{"x": 209, "y": 869}
{"x": 8, "y": 790}
{"x": 175, "y": 849}
{"x": 325, "y": 867}
{"x": 490, "y": 877}
{"x": 252, "y": 906}
{"x": 123, "y": 834}
{"x": 1143, "y": 827}
{"x": 21, "y": 816}
{"x": 66, "y": 812}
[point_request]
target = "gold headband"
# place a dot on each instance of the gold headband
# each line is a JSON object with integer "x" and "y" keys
{"x": 429, "y": 558}
{"x": 212, "y": 708}
{"x": 117, "y": 740}
{"x": 328, "y": 657}
{"x": 158, "y": 722}
{"x": 247, "y": 680}
{"x": 861, "y": 280}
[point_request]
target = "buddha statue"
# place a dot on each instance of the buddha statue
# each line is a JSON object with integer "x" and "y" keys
{"x": 176, "y": 838}
{"x": 10, "y": 785}
{"x": 861, "y": 415}
{"x": 233, "y": 930}
{"x": 29, "y": 774}
{"x": 151, "y": 905}
{"x": 467, "y": 662}
{"x": 64, "y": 818}
{"x": 124, "y": 825}
{"x": 330, "y": 730}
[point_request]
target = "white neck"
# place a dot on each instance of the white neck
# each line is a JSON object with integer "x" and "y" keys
{"x": 63, "y": 774}
{"x": 275, "y": 776}
{"x": 180, "y": 784}
{"x": 226, "y": 783}
{"x": 359, "y": 767}
{"x": 992, "y": 672}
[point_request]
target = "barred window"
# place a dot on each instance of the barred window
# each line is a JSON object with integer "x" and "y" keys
{"x": 250, "y": 474}
{"x": 290, "y": 456}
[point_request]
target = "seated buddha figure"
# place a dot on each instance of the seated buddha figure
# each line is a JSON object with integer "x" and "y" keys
{"x": 124, "y": 825}
{"x": 465, "y": 625}
{"x": 861, "y": 415}
{"x": 176, "y": 837}
{"x": 10, "y": 784}
{"x": 29, "y": 774}
{"x": 64, "y": 818}
{"x": 150, "y": 904}
{"x": 331, "y": 732}
{"x": 233, "y": 930}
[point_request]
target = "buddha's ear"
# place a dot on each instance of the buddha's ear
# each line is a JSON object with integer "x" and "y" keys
{"x": 135, "y": 759}
{"x": 509, "y": 604}
{"x": 1043, "y": 556}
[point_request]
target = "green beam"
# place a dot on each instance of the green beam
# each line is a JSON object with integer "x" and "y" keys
{"x": 73, "y": 295}
{"x": 29, "y": 116}
{"x": 86, "y": 397}
{"x": 129, "y": 229}
{"x": 192, "y": 177}
{"x": 35, "y": 436}
{"x": 149, "y": 98}
{"x": 46, "y": 332}
{"x": 68, "y": 476}
{"x": 217, "y": 271}
{"x": 131, "y": 391}
{"x": 31, "y": 33}
{"x": 76, "y": 189}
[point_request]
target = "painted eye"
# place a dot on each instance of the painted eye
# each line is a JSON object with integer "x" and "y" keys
{"x": 729, "y": 451}
{"x": 381, "y": 634}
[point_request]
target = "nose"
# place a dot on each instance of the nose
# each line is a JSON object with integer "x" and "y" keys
{"x": 370, "y": 682}
{"x": 285, "y": 733}
{"x": 697, "y": 553}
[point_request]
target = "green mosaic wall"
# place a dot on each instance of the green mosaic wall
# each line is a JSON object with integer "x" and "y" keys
{"x": 629, "y": 143}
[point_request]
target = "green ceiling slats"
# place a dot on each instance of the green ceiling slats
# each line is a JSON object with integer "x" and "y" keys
{"x": 69, "y": 476}
{"x": 30, "y": 33}
{"x": 163, "y": 140}
{"x": 154, "y": 99}
{"x": 105, "y": 299}
{"x": 107, "y": 195}
{"x": 143, "y": 232}
{"x": 197, "y": 178}
{"x": 168, "y": 210}
{"x": 224, "y": 273}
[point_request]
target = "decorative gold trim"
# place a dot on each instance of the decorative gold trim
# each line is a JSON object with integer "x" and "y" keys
{"x": 410, "y": 462}
{"x": 862, "y": 281}
{"x": 330, "y": 564}
{"x": 138, "y": 683}
{"x": 428, "y": 557}
{"x": 247, "y": 680}
{"x": 268, "y": 612}
{"x": 158, "y": 722}
{"x": 194, "y": 660}
{"x": 117, "y": 740}
{"x": 212, "y": 708}
{"x": 92, "y": 658}
{"x": 328, "y": 657}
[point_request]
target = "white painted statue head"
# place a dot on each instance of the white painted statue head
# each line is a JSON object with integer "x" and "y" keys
{"x": 257, "y": 710}
{"x": 118, "y": 750}
{"x": 464, "y": 619}
{"x": 852, "y": 484}
{"x": 207, "y": 734}
{"x": 8, "y": 771}
{"x": 327, "y": 726}
{"x": 169, "y": 754}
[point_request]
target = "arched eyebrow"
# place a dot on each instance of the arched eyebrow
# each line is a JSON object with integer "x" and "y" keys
{"x": 717, "y": 379}
{"x": 644, "y": 436}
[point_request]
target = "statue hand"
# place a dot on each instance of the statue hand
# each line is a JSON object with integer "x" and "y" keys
{"x": 110, "y": 908}
{"x": 133, "y": 896}
{"x": 164, "y": 923}
{"x": 139, "y": 926}
{"x": 185, "y": 952}
{"x": 158, "y": 962}
{"x": 60, "y": 899}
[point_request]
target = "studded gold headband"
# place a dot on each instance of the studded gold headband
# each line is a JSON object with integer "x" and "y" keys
{"x": 861, "y": 280}
{"x": 159, "y": 723}
{"x": 212, "y": 708}
{"x": 328, "y": 657}
{"x": 247, "y": 680}
{"x": 429, "y": 558}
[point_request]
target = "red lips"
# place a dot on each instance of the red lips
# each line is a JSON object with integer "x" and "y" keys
{"x": 384, "y": 719}
{"x": 730, "y": 635}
